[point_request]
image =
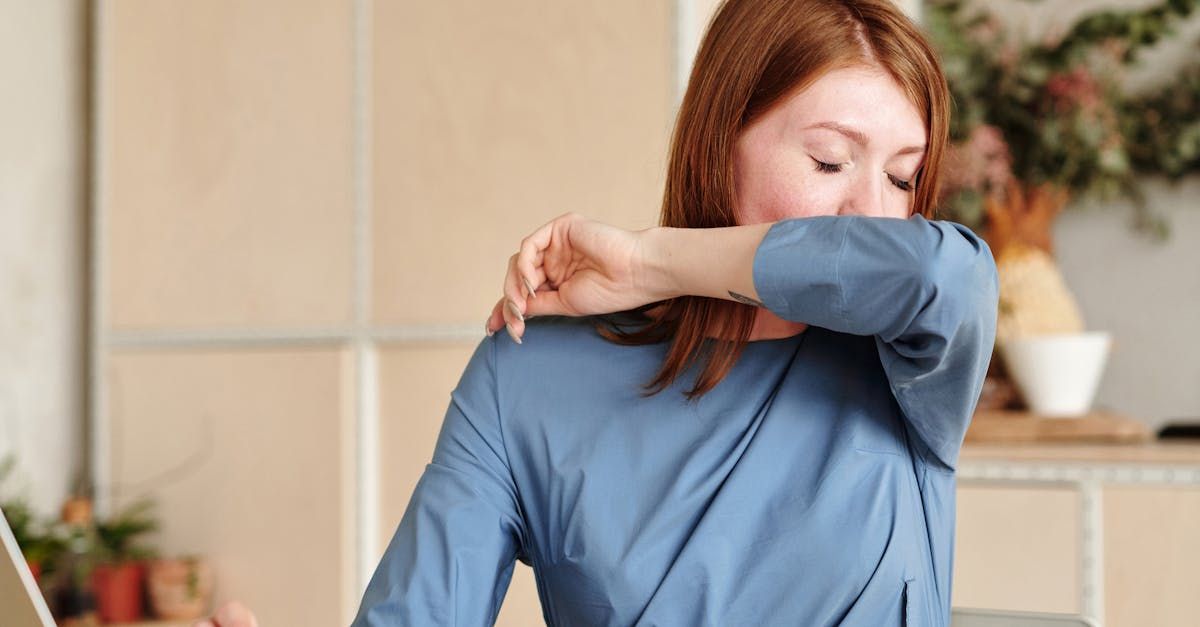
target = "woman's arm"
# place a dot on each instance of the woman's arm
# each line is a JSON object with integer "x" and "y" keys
{"x": 582, "y": 267}
{"x": 451, "y": 558}
{"x": 927, "y": 290}
{"x": 714, "y": 262}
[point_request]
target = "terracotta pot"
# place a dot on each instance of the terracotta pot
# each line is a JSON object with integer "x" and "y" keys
{"x": 180, "y": 589}
{"x": 118, "y": 590}
{"x": 77, "y": 511}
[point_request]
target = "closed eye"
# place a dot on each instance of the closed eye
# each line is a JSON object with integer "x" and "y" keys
{"x": 828, "y": 167}
{"x": 832, "y": 168}
{"x": 904, "y": 185}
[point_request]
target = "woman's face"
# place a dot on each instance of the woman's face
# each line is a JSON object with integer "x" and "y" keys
{"x": 847, "y": 144}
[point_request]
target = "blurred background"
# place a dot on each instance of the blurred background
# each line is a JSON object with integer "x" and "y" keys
{"x": 247, "y": 247}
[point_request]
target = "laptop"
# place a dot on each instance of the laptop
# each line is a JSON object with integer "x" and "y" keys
{"x": 21, "y": 602}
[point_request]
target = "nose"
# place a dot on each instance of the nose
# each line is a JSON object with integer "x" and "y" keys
{"x": 865, "y": 196}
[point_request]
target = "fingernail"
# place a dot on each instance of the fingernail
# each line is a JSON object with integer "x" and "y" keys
{"x": 486, "y": 329}
{"x": 512, "y": 334}
{"x": 529, "y": 286}
{"x": 516, "y": 312}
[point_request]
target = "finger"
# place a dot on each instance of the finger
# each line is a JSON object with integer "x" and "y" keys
{"x": 514, "y": 308}
{"x": 532, "y": 277}
{"x": 548, "y": 303}
{"x": 512, "y": 322}
{"x": 530, "y": 257}
{"x": 501, "y": 318}
{"x": 495, "y": 320}
{"x": 519, "y": 307}
{"x": 504, "y": 314}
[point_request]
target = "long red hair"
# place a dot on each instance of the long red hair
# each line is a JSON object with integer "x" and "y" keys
{"x": 753, "y": 55}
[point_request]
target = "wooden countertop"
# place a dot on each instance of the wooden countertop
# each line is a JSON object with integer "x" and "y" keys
{"x": 1099, "y": 437}
{"x": 1152, "y": 452}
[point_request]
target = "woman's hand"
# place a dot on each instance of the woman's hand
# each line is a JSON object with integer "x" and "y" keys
{"x": 574, "y": 266}
{"x": 230, "y": 614}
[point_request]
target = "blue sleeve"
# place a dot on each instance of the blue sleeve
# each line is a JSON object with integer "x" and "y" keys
{"x": 451, "y": 558}
{"x": 927, "y": 290}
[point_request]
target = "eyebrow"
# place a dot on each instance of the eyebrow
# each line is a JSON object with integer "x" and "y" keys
{"x": 859, "y": 137}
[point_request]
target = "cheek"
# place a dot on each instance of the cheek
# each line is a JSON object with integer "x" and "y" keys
{"x": 770, "y": 190}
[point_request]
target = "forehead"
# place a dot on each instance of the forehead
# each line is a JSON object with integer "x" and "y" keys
{"x": 867, "y": 99}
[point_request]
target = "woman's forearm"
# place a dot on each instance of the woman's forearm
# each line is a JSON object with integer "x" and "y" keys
{"x": 713, "y": 262}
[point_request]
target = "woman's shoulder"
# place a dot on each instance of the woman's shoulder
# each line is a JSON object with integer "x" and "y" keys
{"x": 552, "y": 332}
{"x": 551, "y": 339}
{"x": 567, "y": 351}
{"x": 562, "y": 363}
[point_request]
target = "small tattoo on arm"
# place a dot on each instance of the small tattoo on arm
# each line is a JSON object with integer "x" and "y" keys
{"x": 741, "y": 298}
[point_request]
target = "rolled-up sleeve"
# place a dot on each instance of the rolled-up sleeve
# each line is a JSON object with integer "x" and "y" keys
{"x": 451, "y": 558}
{"x": 927, "y": 290}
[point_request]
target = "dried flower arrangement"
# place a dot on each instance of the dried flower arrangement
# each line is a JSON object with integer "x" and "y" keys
{"x": 1040, "y": 124}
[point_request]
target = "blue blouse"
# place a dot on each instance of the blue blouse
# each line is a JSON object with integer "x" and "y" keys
{"x": 815, "y": 485}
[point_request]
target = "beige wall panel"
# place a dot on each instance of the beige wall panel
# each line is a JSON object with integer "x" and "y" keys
{"x": 250, "y": 455}
{"x": 227, "y": 148}
{"x": 492, "y": 118}
{"x": 1152, "y": 556}
{"x": 1017, "y": 548}
{"x": 415, "y": 386}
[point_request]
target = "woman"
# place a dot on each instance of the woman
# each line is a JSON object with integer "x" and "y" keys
{"x": 752, "y": 414}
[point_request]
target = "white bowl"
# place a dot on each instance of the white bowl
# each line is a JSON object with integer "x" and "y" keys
{"x": 1057, "y": 374}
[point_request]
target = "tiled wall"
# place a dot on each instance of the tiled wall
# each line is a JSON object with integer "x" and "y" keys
{"x": 304, "y": 213}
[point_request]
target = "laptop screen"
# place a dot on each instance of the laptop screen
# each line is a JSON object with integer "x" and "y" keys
{"x": 21, "y": 602}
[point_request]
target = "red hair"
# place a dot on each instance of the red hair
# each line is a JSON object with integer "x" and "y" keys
{"x": 754, "y": 54}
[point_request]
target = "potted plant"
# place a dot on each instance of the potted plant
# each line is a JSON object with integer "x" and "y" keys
{"x": 37, "y": 538}
{"x": 73, "y": 601}
{"x": 118, "y": 576}
{"x": 1036, "y": 126}
{"x": 180, "y": 588}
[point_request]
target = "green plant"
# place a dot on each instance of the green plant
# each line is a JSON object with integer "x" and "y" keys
{"x": 35, "y": 537}
{"x": 39, "y": 539}
{"x": 193, "y": 578}
{"x": 1164, "y": 127}
{"x": 1051, "y": 112}
{"x": 118, "y": 538}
